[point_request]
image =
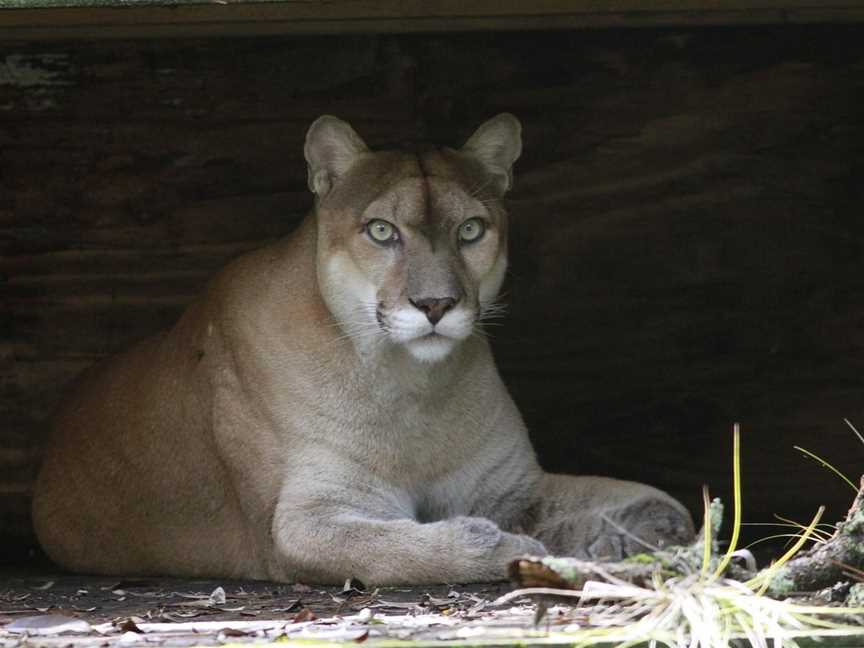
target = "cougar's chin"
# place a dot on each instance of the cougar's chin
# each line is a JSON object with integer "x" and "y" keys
{"x": 431, "y": 348}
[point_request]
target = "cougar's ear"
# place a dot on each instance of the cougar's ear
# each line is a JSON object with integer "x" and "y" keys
{"x": 331, "y": 148}
{"x": 497, "y": 144}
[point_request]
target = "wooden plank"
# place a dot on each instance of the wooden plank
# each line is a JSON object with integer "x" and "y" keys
{"x": 209, "y": 258}
{"x": 124, "y": 20}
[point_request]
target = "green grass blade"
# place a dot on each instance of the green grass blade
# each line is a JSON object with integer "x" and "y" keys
{"x": 827, "y": 465}
{"x": 706, "y": 533}
{"x": 736, "y": 493}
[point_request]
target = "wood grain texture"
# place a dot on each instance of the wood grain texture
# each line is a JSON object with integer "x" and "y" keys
{"x": 63, "y": 19}
{"x": 687, "y": 251}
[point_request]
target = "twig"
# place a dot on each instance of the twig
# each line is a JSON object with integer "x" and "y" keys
{"x": 537, "y": 591}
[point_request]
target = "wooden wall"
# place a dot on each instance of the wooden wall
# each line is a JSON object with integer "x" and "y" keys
{"x": 122, "y": 19}
{"x": 687, "y": 248}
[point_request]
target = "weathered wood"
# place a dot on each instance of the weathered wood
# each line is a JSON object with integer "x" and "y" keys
{"x": 113, "y": 19}
{"x": 687, "y": 247}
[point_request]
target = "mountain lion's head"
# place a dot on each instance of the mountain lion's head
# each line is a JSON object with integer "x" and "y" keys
{"x": 412, "y": 247}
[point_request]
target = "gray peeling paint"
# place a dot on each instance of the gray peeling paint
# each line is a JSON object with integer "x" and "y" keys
{"x": 36, "y": 70}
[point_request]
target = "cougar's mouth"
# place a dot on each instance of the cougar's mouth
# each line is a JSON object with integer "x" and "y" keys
{"x": 379, "y": 316}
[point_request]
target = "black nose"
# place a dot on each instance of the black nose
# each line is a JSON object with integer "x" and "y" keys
{"x": 434, "y": 308}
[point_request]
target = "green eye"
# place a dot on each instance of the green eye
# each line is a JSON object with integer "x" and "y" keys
{"x": 472, "y": 230}
{"x": 381, "y": 231}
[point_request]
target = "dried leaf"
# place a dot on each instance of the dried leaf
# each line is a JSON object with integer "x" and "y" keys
{"x": 147, "y": 594}
{"x": 200, "y": 603}
{"x": 478, "y": 607}
{"x": 393, "y": 605}
{"x": 129, "y": 583}
{"x": 217, "y": 596}
{"x": 304, "y": 615}
{"x": 296, "y": 605}
{"x": 128, "y": 625}
{"x": 174, "y": 616}
{"x": 353, "y": 586}
{"x": 192, "y": 596}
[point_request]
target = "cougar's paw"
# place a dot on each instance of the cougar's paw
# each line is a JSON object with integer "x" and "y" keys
{"x": 645, "y": 525}
{"x": 490, "y": 549}
{"x": 514, "y": 545}
{"x": 488, "y": 536}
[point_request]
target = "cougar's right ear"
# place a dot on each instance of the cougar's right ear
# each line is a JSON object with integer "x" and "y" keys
{"x": 331, "y": 148}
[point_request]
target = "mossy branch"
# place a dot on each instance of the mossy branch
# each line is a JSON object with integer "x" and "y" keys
{"x": 825, "y": 564}
{"x": 572, "y": 573}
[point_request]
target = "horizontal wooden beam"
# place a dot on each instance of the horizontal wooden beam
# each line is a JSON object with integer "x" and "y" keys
{"x": 61, "y": 19}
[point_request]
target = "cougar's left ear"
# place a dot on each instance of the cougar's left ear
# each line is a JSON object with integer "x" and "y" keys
{"x": 497, "y": 144}
{"x": 331, "y": 148}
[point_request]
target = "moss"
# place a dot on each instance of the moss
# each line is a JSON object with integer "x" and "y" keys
{"x": 643, "y": 559}
{"x": 564, "y": 568}
{"x": 855, "y": 597}
{"x": 782, "y": 584}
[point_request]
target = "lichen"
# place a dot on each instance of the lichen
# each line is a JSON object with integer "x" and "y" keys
{"x": 782, "y": 584}
{"x": 855, "y": 597}
{"x": 563, "y": 567}
{"x": 642, "y": 559}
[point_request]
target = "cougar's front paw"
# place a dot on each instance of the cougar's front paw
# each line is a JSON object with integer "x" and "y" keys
{"x": 513, "y": 545}
{"x": 488, "y": 537}
{"x": 645, "y": 525}
{"x": 492, "y": 548}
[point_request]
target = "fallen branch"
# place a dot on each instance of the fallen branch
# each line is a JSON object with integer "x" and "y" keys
{"x": 828, "y": 562}
{"x": 572, "y": 573}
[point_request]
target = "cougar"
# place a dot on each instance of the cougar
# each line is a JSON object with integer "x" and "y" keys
{"x": 329, "y": 407}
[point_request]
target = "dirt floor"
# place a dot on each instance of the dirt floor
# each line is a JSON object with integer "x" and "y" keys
{"x": 47, "y": 608}
{"x": 98, "y": 599}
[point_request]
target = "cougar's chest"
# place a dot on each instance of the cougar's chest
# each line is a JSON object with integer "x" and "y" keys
{"x": 415, "y": 439}
{"x": 410, "y": 433}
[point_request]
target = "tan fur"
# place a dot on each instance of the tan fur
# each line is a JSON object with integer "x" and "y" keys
{"x": 298, "y": 423}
